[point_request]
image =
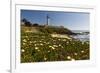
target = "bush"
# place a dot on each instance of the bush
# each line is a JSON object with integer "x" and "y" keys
{"x": 35, "y": 24}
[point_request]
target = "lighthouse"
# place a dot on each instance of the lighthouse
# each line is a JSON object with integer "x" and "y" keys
{"x": 48, "y": 20}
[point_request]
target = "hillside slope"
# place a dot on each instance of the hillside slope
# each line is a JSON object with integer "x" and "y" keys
{"x": 47, "y": 29}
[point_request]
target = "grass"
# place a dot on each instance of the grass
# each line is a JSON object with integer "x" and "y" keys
{"x": 41, "y": 47}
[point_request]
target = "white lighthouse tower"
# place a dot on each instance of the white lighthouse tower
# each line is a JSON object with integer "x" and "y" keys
{"x": 48, "y": 20}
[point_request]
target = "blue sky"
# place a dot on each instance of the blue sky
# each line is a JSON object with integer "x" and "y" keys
{"x": 70, "y": 20}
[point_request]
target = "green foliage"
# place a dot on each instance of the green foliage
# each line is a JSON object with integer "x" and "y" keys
{"x": 57, "y": 30}
{"x": 26, "y": 22}
{"x": 41, "y": 47}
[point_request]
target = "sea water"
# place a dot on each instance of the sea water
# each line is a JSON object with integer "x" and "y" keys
{"x": 82, "y": 36}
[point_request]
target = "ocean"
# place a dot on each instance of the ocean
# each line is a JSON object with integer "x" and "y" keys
{"x": 82, "y": 35}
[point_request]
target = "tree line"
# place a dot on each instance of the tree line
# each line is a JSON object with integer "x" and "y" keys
{"x": 28, "y": 23}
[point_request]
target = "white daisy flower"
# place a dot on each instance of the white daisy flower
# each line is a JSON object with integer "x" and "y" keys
{"x": 82, "y": 42}
{"x": 59, "y": 39}
{"x": 67, "y": 42}
{"x": 59, "y": 45}
{"x": 75, "y": 53}
{"x": 26, "y": 36}
{"x": 68, "y": 57}
{"x": 64, "y": 39}
{"x": 62, "y": 47}
{"x": 47, "y": 43}
{"x": 23, "y": 43}
{"x": 24, "y": 40}
{"x": 87, "y": 42}
{"x": 44, "y": 42}
{"x": 30, "y": 42}
{"x": 53, "y": 48}
{"x": 72, "y": 59}
{"x": 55, "y": 45}
{"x": 35, "y": 44}
{"x": 48, "y": 51}
{"x": 45, "y": 58}
{"x": 34, "y": 41}
{"x": 23, "y": 50}
{"x": 82, "y": 51}
{"x": 36, "y": 48}
{"x": 70, "y": 39}
{"x": 40, "y": 41}
{"x": 41, "y": 44}
{"x": 50, "y": 46}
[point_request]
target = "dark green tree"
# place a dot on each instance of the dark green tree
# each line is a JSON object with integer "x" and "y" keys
{"x": 26, "y": 22}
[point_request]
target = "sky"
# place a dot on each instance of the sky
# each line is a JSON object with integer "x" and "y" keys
{"x": 70, "y": 20}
